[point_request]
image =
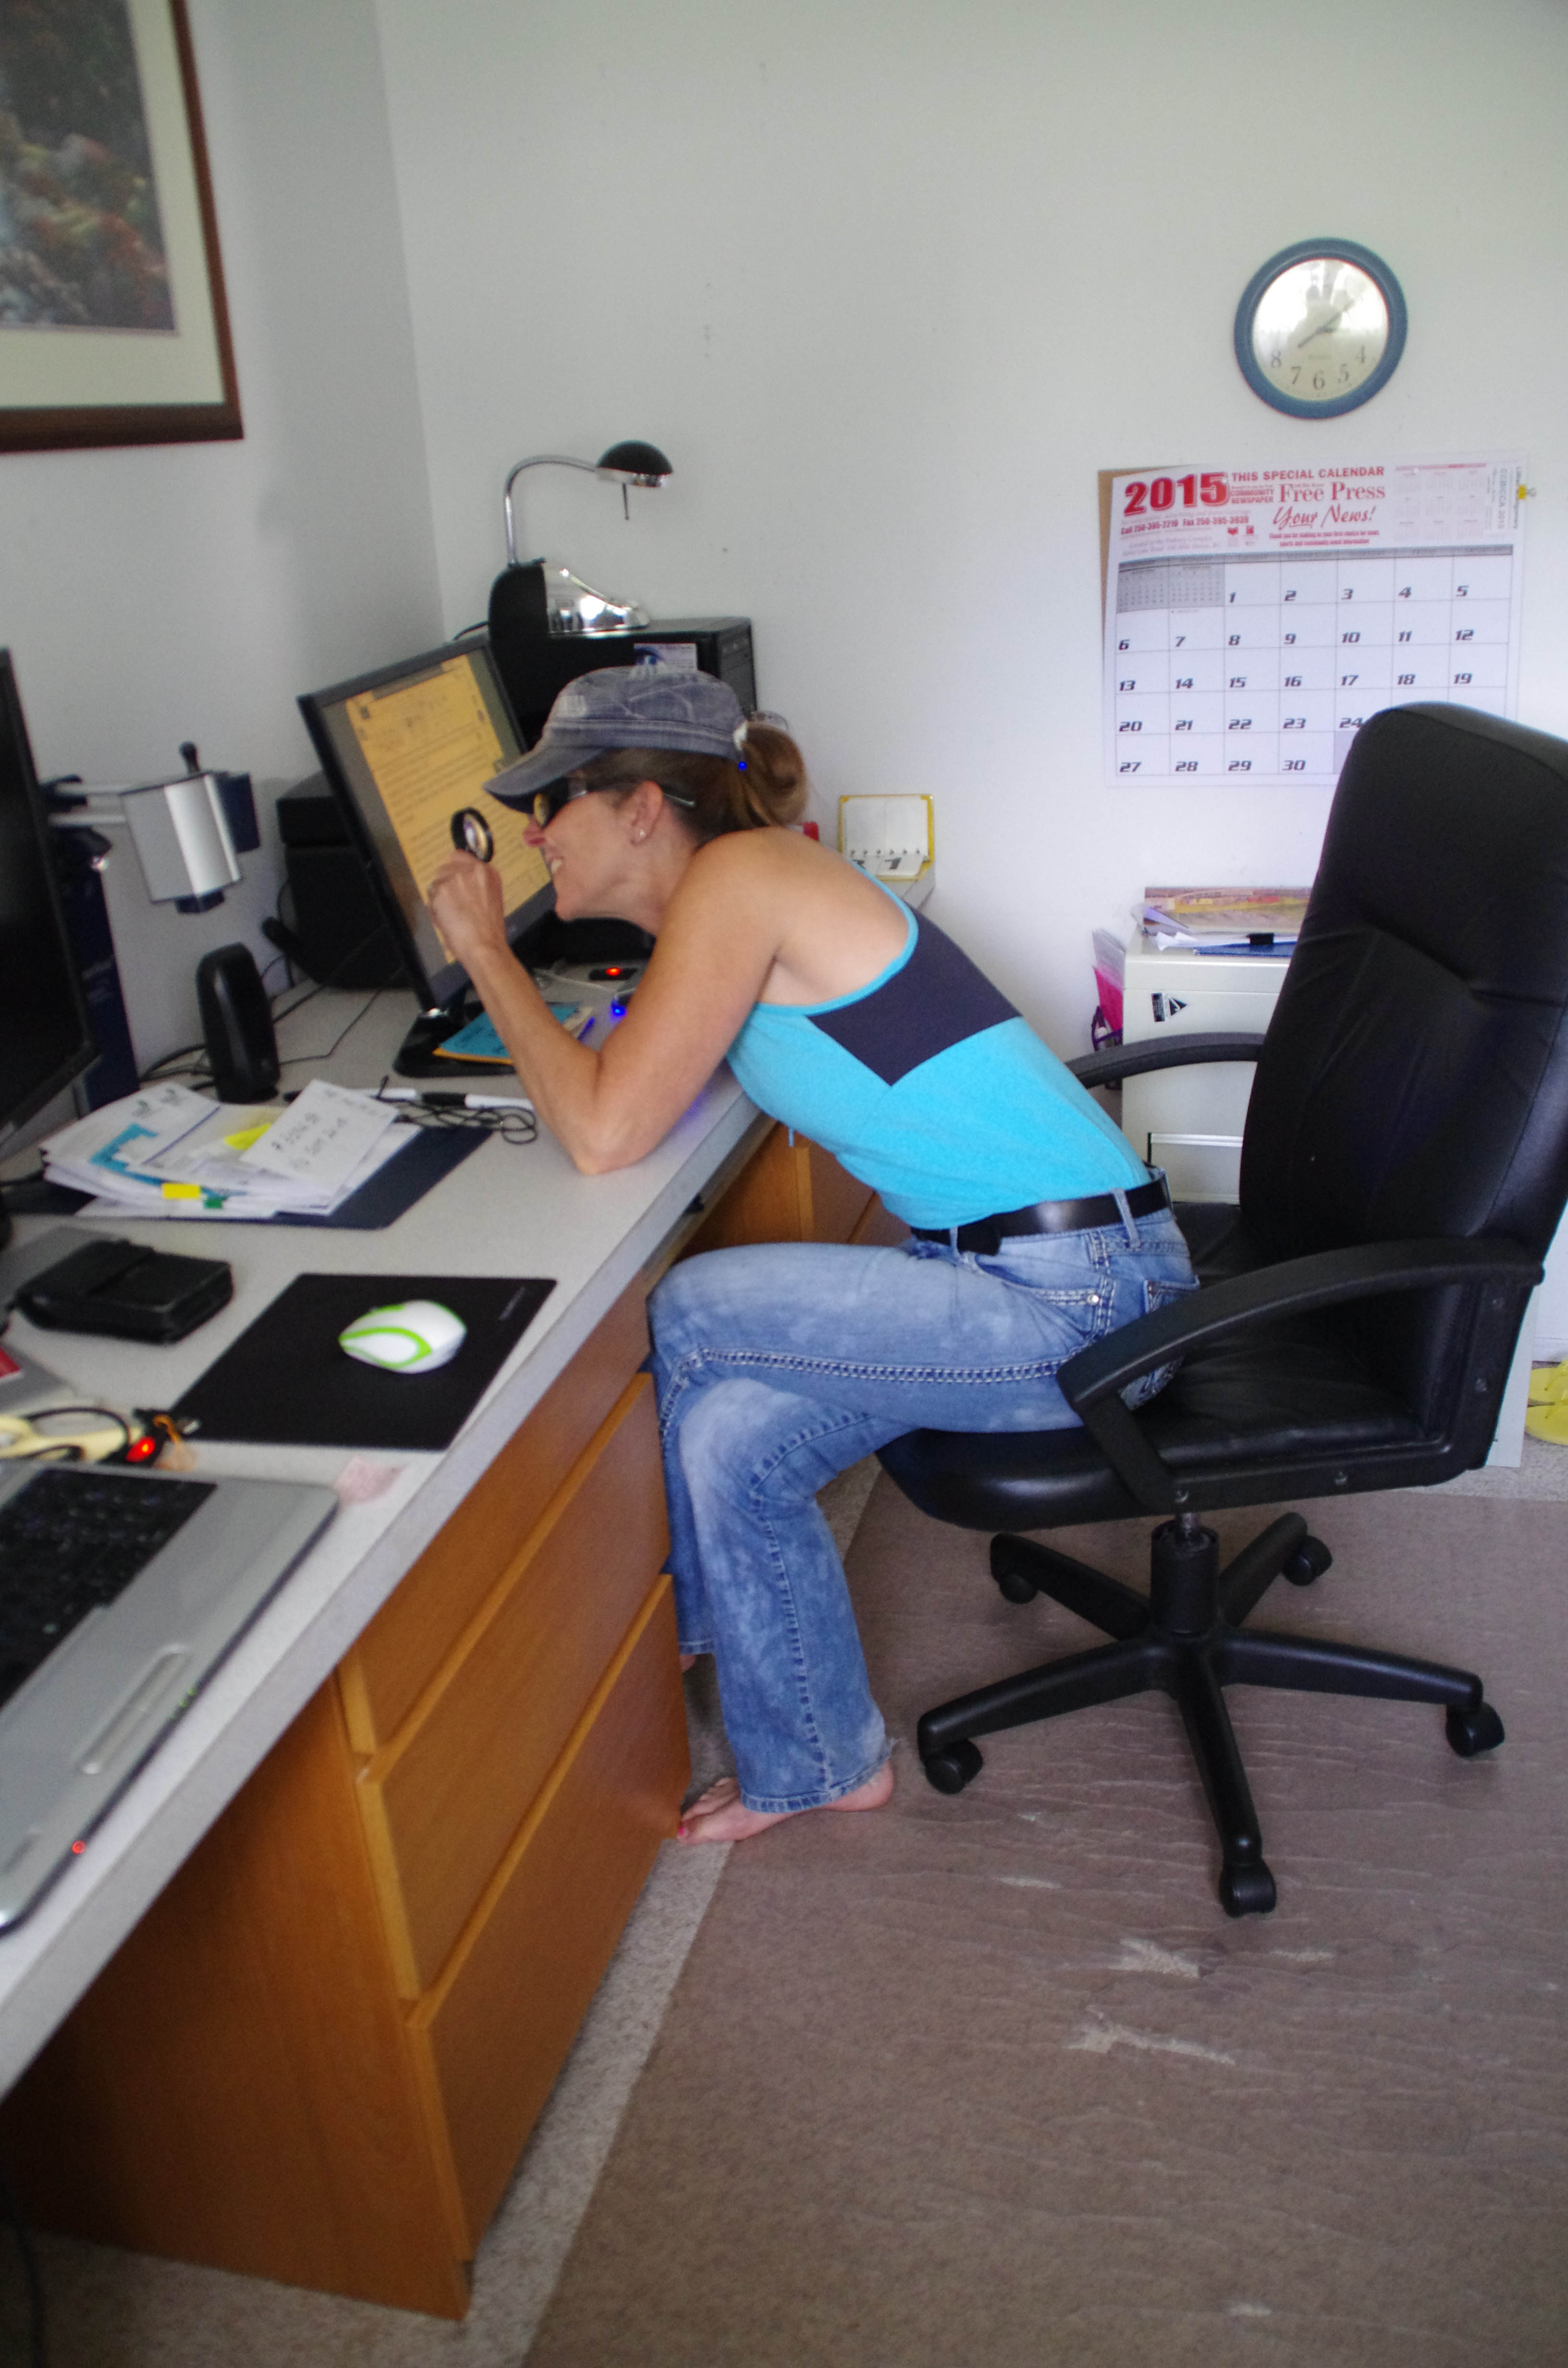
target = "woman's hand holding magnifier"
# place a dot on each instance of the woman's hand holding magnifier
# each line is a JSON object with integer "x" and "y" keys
{"x": 467, "y": 905}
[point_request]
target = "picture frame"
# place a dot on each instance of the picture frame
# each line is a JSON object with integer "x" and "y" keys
{"x": 114, "y": 325}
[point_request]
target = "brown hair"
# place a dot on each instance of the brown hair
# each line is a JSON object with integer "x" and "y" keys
{"x": 760, "y": 788}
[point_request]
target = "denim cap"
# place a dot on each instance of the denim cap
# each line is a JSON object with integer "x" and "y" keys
{"x": 624, "y": 707}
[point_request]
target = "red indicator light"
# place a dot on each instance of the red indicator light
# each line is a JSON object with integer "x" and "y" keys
{"x": 143, "y": 1449}
{"x": 77, "y": 1848}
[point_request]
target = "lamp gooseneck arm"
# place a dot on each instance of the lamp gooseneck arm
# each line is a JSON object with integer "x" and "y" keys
{"x": 535, "y": 460}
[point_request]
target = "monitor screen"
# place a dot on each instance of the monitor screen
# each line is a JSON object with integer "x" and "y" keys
{"x": 45, "y": 1040}
{"x": 405, "y": 749}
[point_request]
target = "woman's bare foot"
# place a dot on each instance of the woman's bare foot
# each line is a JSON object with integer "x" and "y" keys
{"x": 720, "y": 1816}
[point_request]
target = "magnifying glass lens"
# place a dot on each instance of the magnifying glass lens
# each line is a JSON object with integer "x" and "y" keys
{"x": 471, "y": 835}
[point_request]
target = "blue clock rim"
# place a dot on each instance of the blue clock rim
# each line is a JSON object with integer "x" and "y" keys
{"x": 1303, "y": 251}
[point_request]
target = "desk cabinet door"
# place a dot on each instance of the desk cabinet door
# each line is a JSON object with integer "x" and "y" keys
{"x": 490, "y": 2039}
{"x": 445, "y": 1797}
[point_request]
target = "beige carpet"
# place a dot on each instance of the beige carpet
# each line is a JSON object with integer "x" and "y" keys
{"x": 994, "y": 2081}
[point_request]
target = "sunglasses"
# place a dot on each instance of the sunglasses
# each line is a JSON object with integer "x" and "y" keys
{"x": 549, "y": 803}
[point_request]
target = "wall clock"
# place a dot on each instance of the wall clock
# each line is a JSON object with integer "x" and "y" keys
{"x": 1320, "y": 328}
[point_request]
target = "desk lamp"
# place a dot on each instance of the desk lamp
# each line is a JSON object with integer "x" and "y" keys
{"x": 568, "y": 604}
{"x": 543, "y": 619}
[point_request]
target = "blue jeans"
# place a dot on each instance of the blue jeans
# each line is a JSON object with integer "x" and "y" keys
{"x": 780, "y": 1366}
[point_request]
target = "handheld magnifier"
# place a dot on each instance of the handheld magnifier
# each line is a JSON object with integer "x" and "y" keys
{"x": 471, "y": 835}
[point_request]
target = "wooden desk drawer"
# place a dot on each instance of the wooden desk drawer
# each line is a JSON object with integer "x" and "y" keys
{"x": 444, "y": 1799}
{"x": 410, "y": 1636}
{"x": 489, "y": 2042}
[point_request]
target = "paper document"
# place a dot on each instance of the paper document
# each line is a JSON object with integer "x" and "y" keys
{"x": 322, "y": 1138}
{"x": 167, "y": 1152}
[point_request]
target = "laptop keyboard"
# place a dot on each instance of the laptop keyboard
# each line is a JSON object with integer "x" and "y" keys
{"x": 70, "y": 1540}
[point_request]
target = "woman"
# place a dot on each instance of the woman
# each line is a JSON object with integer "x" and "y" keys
{"x": 1036, "y": 1230}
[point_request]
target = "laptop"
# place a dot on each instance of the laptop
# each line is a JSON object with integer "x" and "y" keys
{"x": 120, "y": 1592}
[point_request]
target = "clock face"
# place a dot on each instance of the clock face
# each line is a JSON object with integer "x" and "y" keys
{"x": 1320, "y": 328}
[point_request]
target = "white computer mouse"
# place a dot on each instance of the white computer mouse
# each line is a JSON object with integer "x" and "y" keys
{"x": 413, "y": 1335}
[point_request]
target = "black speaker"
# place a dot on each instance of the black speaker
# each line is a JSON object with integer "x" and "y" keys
{"x": 236, "y": 1024}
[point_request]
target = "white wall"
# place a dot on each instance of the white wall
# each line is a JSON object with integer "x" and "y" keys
{"x": 192, "y": 591}
{"x": 890, "y": 280}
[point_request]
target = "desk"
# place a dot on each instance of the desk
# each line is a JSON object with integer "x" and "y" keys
{"x": 331, "y": 1947}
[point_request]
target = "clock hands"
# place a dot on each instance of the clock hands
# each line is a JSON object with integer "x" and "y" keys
{"x": 1324, "y": 327}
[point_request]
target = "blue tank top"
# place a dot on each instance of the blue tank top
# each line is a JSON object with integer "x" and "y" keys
{"x": 930, "y": 1087}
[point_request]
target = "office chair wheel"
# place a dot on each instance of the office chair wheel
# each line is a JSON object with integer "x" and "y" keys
{"x": 1472, "y": 1731}
{"x": 1311, "y": 1559}
{"x": 1248, "y": 1890}
{"x": 951, "y": 1769}
{"x": 1014, "y": 1583}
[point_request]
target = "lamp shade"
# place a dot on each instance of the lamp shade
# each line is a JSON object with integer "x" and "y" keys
{"x": 642, "y": 462}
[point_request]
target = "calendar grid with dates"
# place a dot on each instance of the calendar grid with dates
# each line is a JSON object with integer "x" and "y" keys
{"x": 1230, "y": 656}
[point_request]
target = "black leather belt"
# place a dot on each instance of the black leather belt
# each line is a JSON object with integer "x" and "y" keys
{"x": 985, "y": 1234}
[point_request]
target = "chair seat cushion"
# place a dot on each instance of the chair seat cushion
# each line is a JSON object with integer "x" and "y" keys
{"x": 1279, "y": 1394}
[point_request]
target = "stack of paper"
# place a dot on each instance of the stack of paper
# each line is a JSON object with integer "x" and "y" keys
{"x": 166, "y": 1151}
{"x": 1225, "y": 920}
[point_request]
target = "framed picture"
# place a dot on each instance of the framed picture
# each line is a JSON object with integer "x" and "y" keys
{"x": 113, "y": 328}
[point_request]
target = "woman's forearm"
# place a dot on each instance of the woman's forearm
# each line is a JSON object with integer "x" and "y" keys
{"x": 564, "y": 1079}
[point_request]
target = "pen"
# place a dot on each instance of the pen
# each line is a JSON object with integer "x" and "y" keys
{"x": 455, "y": 1102}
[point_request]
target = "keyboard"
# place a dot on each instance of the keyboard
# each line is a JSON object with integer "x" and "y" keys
{"x": 71, "y": 1541}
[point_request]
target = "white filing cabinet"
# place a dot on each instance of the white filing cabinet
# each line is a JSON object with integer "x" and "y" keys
{"x": 1189, "y": 1121}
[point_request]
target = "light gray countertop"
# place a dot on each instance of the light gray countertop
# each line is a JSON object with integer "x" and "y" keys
{"x": 522, "y": 1211}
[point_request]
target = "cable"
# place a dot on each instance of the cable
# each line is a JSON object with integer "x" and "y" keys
{"x": 295, "y": 1059}
{"x": 37, "y": 2329}
{"x": 200, "y": 1067}
{"x": 444, "y": 1112}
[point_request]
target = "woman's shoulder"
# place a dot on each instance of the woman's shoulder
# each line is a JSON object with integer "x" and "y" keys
{"x": 771, "y": 862}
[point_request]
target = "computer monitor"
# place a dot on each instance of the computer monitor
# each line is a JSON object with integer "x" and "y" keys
{"x": 45, "y": 1038}
{"x": 404, "y": 749}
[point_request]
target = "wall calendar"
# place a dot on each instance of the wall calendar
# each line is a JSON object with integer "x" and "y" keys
{"x": 1255, "y": 618}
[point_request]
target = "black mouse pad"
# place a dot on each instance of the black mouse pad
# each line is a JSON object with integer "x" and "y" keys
{"x": 285, "y": 1380}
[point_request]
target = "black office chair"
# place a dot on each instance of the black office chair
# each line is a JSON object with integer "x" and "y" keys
{"x": 1404, "y": 1165}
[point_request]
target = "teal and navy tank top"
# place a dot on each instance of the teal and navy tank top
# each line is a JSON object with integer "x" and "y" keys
{"x": 930, "y": 1087}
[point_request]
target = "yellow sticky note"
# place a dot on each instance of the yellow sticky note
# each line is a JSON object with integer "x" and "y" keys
{"x": 247, "y": 1135}
{"x": 182, "y": 1191}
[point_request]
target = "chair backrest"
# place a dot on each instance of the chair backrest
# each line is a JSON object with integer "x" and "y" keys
{"x": 1414, "y": 1077}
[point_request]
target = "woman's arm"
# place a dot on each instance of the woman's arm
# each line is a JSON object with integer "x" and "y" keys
{"x": 610, "y": 1105}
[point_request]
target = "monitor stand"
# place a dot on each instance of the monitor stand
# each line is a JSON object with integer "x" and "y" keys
{"x": 417, "y": 1055}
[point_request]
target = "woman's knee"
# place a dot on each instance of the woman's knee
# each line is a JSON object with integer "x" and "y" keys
{"x": 756, "y": 1446}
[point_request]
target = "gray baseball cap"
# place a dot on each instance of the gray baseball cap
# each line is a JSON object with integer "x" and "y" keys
{"x": 625, "y": 707}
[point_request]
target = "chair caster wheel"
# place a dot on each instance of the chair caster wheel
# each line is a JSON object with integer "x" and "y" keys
{"x": 1472, "y": 1731}
{"x": 1311, "y": 1559}
{"x": 1248, "y": 1890}
{"x": 951, "y": 1769}
{"x": 1014, "y": 1584}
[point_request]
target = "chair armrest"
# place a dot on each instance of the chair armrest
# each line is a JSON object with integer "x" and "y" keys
{"x": 1161, "y": 1052}
{"x": 1092, "y": 1380}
